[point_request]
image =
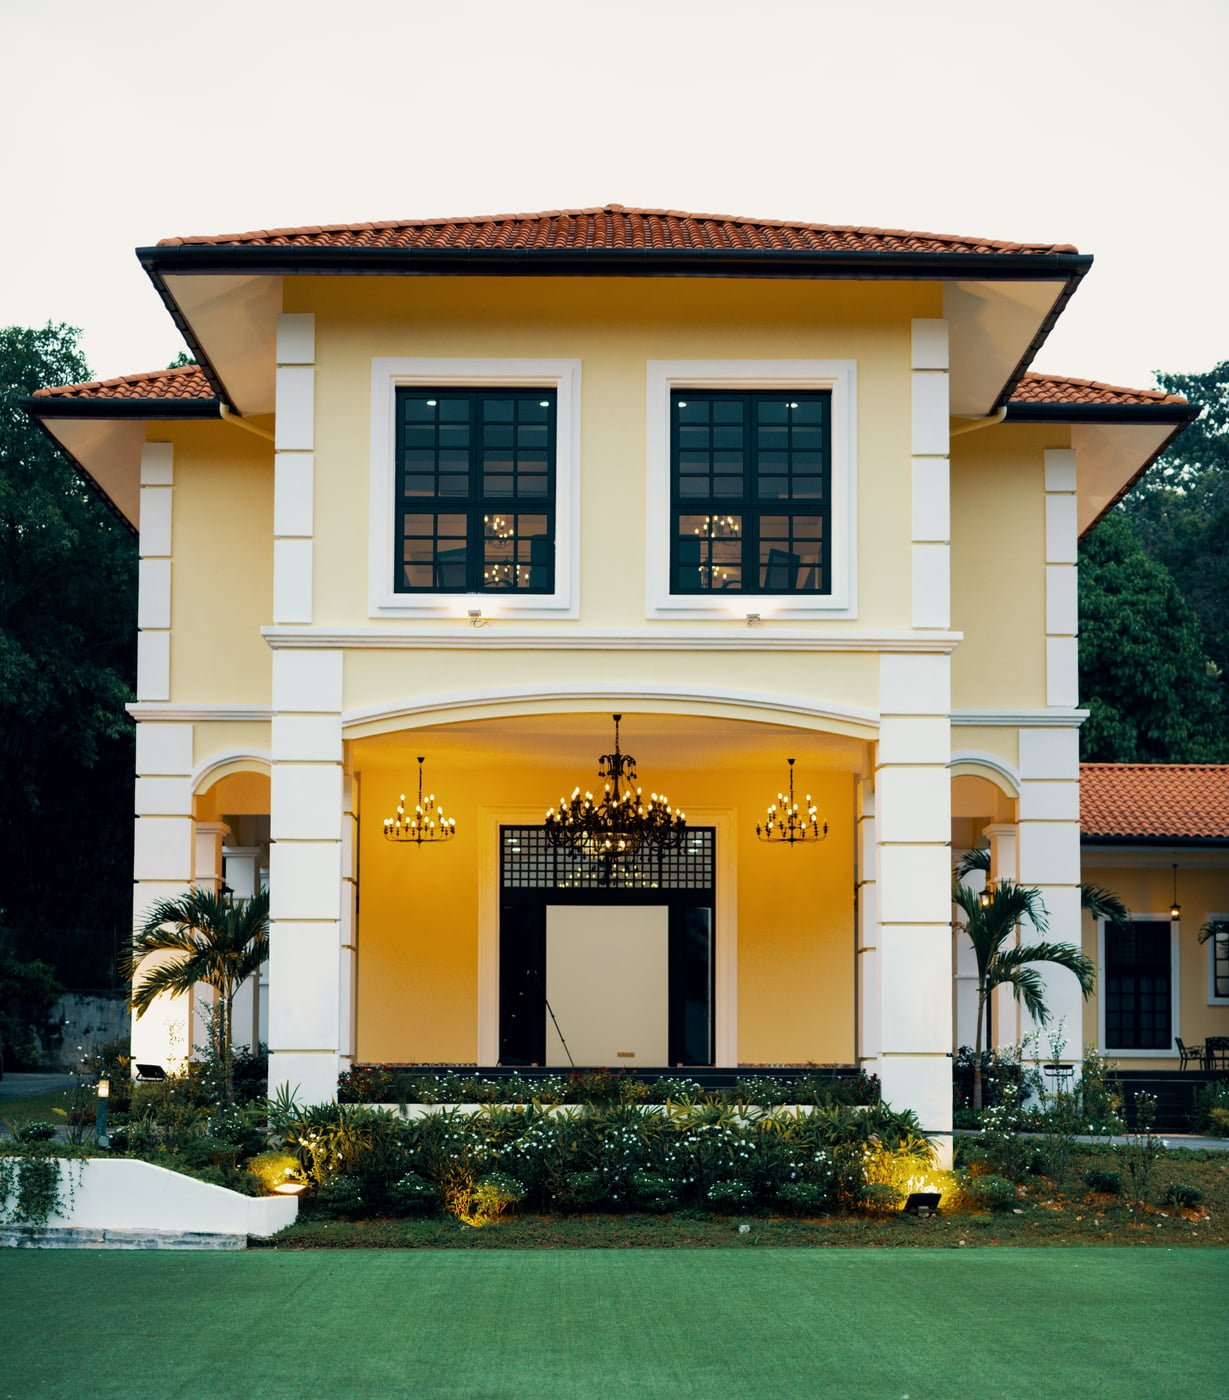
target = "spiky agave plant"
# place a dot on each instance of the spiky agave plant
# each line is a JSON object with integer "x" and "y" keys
{"x": 211, "y": 939}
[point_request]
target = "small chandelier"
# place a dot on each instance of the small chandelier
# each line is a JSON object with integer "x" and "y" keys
{"x": 621, "y": 821}
{"x": 784, "y": 823}
{"x": 426, "y": 823}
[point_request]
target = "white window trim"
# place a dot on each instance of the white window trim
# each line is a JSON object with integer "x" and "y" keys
{"x": 837, "y": 376}
{"x": 390, "y": 374}
{"x": 1175, "y": 991}
{"x": 1213, "y": 999}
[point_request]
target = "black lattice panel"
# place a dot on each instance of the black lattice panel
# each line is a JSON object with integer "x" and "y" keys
{"x": 529, "y": 862}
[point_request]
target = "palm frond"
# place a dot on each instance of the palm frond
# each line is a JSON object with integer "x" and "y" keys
{"x": 1101, "y": 903}
{"x": 1060, "y": 954}
{"x": 1027, "y": 986}
{"x": 1214, "y": 928}
{"x": 973, "y": 860}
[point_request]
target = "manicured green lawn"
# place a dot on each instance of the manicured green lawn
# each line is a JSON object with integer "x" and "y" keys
{"x": 924, "y": 1324}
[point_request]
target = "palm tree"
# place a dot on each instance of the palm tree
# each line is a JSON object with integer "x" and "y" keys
{"x": 991, "y": 926}
{"x": 1095, "y": 900}
{"x": 220, "y": 942}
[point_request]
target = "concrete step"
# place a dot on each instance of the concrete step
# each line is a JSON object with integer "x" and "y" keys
{"x": 78, "y": 1237}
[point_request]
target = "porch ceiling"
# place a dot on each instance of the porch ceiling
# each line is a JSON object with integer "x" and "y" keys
{"x": 674, "y": 741}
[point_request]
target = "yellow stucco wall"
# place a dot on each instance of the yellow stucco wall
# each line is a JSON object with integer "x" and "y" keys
{"x": 1202, "y": 891}
{"x": 998, "y": 564}
{"x": 418, "y": 920}
{"x": 612, "y": 326}
{"x": 222, "y": 569}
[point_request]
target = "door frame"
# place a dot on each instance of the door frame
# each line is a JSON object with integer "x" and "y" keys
{"x": 725, "y": 915}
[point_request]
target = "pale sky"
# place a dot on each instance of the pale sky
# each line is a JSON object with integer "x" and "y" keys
{"x": 1098, "y": 124}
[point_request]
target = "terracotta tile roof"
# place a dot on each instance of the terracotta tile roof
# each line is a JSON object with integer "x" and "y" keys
{"x": 1062, "y": 389}
{"x": 186, "y": 382}
{"x": 1176, "y": 800}
{"x": 614, "y": 227}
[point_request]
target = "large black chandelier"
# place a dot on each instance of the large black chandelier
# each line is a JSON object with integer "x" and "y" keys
{"x": 426, "y": 824}
{"x": 785, "y": 825}
{"x": 621, "y": 820}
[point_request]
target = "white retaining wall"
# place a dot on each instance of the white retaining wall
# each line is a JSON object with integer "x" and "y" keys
{"x": 125, "y": 1194}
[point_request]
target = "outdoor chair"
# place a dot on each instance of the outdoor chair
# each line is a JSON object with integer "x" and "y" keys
{"x": 1216, "y": 1052}
{"x": 150, "y": 1074}
{"x": 1191, "y": 1054}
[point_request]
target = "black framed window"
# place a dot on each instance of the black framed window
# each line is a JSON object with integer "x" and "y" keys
{"x": 750, "y": 491}
{"x": 1137, "y": 984}
{"x": 476, "y": 491}
{"x": 1220, "y": 957}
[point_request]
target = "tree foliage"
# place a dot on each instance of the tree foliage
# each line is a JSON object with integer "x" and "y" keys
{"x": 1152, "y": 692}
{"x": 67, "y": 656}
{"x": 205, "y": 937}
{"x": 1180, "y": 510}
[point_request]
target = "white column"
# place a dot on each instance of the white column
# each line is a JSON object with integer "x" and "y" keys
{"x": 964, "y": 963}
{"x": 931, "y": 511}
{"x": 206, "y": 874}
{"x": 1062, "y": 600}
{"x": 348, "y": 989}
{"x": 869, "y": 989}
{"x": 913, "y": 837}
{"x": 241, "y": 870}
{"x": 294, "y": 469}
{"x": 154, "y": 573}
{"x": 305, "y": 874}
{"x": 162, "y": 868}
{"x": 1005, "y": 1011}
{"x": 1050, "y": 860}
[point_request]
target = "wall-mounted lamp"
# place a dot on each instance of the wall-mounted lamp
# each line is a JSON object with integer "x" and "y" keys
{"x": 1175, "y": 909}
{"x": 100, "y": 1122}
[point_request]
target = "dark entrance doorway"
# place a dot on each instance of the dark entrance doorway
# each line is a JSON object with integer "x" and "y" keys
{"x": 536, "y": 878}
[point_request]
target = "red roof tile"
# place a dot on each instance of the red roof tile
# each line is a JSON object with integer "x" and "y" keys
{"x": 1175, "y": 800}
{"x": 185, "y": 382}
{"x": 612, "y": 226}
{"x": 1062, "y": 389}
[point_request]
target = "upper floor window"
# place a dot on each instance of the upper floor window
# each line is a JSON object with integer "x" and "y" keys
{"x": 475, "y": 490}
{"x": 750, "y": 491}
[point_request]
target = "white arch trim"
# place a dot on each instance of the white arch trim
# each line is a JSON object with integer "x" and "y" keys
{"x": 972, "y": 763}
{"x": 229, "y": 761}
{"x": 491, "y": 704}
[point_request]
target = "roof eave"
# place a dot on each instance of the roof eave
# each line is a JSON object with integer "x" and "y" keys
{"x": 153, "y": 409}
{"x": 1087, "y": 839}
{"x": 305, "y": 260}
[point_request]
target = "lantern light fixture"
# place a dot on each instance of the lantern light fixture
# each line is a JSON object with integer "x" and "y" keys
{"x": 425, "y": 825}
{"x": 785, "y": 824}
{"x": 985, "y": 896}
{"x": 1175, "y": 909}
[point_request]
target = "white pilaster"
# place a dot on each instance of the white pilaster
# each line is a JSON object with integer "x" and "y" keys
{"x": 913, "y": 865}
{"x": 1005, "y": 1011}
{"x": 1049, "y": 858}
{"x": 164, "y": 861}
{"x": 348, "y": 988}
{"x": 294, "y": 470}
{"x": 206, "y": 874}
{"x": 241, "y": 871}
{"x": 306, "y": 879}
{"x": 869, "y": 989}
{"x": 1062, "y": 606}
{"x": 154, "y": 573}
{"x": 930, "y": 490}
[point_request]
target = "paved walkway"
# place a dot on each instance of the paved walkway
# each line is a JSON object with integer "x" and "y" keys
{"x": 1188, "y": 1140}
{"x": 26, "y": 1086}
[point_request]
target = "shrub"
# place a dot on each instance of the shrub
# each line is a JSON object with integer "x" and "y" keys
{"x": 1210, "y": 1109}
{"x": 585, "y": 1189}
{"x": 413, "y": 1195}
{"x": 1182, "y": 1195}
{"x": 341, "y": 1195}
{"x": 1142, "y": 1149}
{"x": 804, "y": 1198}
{"x": 728, "y": 1197}
{"x": 651, "y": 1191}
{"x": 881, "y": 1198}
{"x": 1108, "y": 1183}
{"x": 497, "y": 1193}
{"x": 992, "y": 1192}
{"x": 272, "y": 1169}
{"x": 37, "y": 1131}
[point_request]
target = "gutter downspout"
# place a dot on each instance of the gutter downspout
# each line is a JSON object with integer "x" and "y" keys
{"x": 967, "y": 425}
{"x": 230, "y": 416}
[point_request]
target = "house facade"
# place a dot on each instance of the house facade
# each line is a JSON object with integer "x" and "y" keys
{"x": 462, "y": 490}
